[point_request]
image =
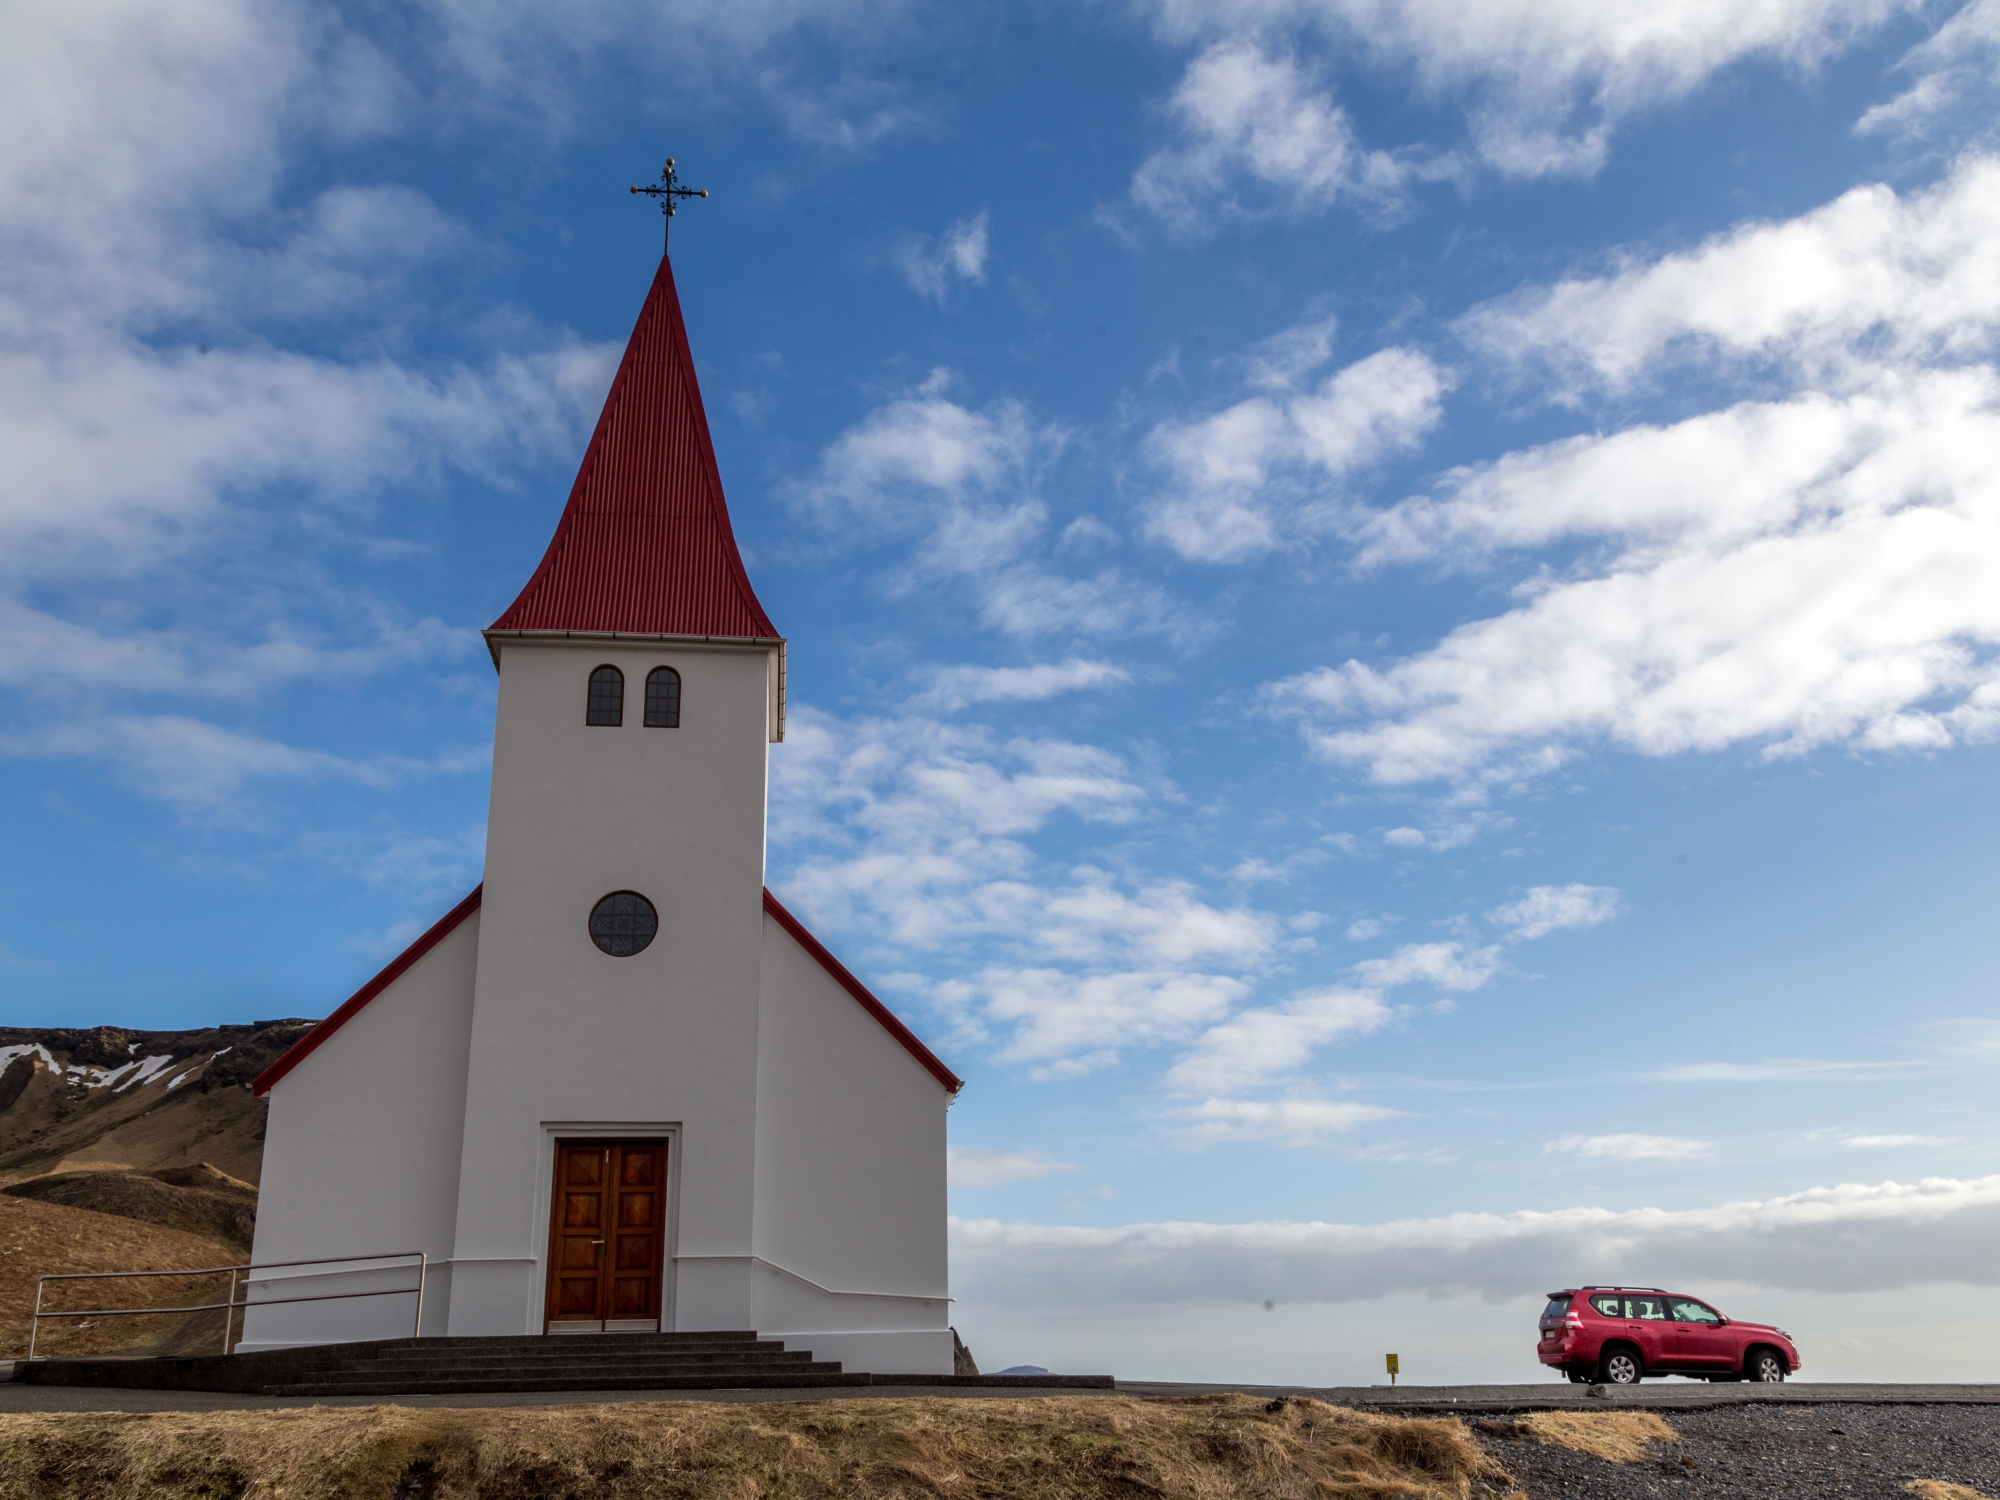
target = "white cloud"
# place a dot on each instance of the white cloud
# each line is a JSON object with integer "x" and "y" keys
{"x": 203, "y": 767}
{"x": 1866, "y": 1141}
{"x": 988, "y": 1166}
{"x": 156, "y": 405}
{"x": 1869, "y": 277}
{"x": 1957, "y": 72}
{"x": 922, "y": 453}
{"x": 930, "y": 264}
{"x": 53, "y": 658}
{"x": 1251, "y": 1047}
{"x": 1554, "y": 908}
{"x": 1857, "y": 600}
{"x": 920, "y": 833}
{"x": 1771, "y": 1070}
{"x": 1291, "y": 1122}
{"x": 963, "y": 484}
{"x": 1243, "y": 112}
{"x": 1260, "y": 1043}
{"x": 1078, "y": 1023}
{"x": 1239, "y": 479}
{"x": 1804, "y": 570}
{"x": 1629, "y": 1147}
{"x": 1543, "y": 85}
{"x": 1851, "y": 1238}
{"x": 1449, "y": 966}
{"x": 524, "y": 58}
{"x": 958, "y": 687}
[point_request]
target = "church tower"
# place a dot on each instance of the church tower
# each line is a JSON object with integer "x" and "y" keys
{"x": 656, "y": 1101}
{"x": 640, "y": 684}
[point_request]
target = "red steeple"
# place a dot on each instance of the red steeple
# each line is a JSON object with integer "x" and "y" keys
{"x": 644, "y": 545}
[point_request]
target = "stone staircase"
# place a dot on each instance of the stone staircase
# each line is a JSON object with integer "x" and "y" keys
{"x": 468, "y": 1366}
{"x": 576, "y": 1362}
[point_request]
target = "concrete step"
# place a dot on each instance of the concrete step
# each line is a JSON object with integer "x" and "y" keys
{"x": 730, "y": 1337}
{"x": 595, "y": 1379}
{"x": 457, "y": 1359}
{"x": 619, "y": 1367}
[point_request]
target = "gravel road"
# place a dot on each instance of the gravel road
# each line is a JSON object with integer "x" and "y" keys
{"x": 1867, "y": 1452}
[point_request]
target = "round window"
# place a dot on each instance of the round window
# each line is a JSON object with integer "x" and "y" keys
{"x": 623, "y": 923}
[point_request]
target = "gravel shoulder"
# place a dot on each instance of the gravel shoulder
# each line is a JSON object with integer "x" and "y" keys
{"x": 1820, "y": 1450}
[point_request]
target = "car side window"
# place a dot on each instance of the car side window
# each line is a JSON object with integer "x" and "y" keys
{"x": 1687, "y": 1310}
{"x": 1611, "y": 1307}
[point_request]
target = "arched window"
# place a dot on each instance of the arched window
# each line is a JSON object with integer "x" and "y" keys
{"x": 663, "y": 698}
{"x": 607, "y": 697}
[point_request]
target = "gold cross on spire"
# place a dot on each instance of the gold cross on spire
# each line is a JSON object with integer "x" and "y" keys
{"x": 669, "y": 192}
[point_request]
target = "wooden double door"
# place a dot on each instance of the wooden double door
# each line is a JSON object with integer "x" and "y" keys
{"x": 607, "y": 1234}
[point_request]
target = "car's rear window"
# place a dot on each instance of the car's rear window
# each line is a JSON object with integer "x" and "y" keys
{"x": 1556, "y": 1308}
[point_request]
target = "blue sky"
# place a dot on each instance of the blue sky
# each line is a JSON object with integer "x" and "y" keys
{"x": 1393, "y": 606}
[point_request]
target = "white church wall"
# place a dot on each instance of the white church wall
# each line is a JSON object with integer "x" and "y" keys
{"x": 361, "y": 1156}
{"x": 563, "y": 1031}
{"x": 850, "y": 1197}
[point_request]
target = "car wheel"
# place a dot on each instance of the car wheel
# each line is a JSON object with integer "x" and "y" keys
{"x": 1765, "y": 1365}
{"x": 1620, "y": 1367}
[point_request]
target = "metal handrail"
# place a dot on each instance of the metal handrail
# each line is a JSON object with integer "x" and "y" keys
{"x": 237, "y": 1277}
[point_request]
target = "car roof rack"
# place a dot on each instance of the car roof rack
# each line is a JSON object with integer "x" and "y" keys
{"x": 1598, "y": 1287}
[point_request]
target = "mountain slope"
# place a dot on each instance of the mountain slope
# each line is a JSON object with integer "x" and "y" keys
{"x": 109, "y": 1099}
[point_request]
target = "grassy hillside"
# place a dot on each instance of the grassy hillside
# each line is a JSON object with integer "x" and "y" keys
{"x": 196, "y": 1200}
{"x": 37, "y": 1238}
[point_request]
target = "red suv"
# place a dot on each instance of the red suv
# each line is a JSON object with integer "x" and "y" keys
{"x": 1619, "y": 1334}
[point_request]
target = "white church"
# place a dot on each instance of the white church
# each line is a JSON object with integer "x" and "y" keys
{"x": 618, "y": 1087}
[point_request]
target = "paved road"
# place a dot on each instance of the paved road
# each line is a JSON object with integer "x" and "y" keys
{"x": 1662, "y": 1395}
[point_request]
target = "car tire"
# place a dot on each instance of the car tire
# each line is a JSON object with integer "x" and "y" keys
{"x": 1620, "y": 1366}
{"x": 1578, "y": 1377}
{"x": 1764, "y": 1365}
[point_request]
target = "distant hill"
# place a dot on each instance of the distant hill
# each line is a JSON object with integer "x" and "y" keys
{"x": 112, "y": 1100}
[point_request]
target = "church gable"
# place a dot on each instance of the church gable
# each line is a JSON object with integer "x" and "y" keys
{"x": 447, "y": 924}
{"x": 884, "y": 1017}
{"x": 401, "y": 964}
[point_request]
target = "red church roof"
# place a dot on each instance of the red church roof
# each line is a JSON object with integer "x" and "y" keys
{"x": 644, "y": 545}
{"x": 304, "y": 1047}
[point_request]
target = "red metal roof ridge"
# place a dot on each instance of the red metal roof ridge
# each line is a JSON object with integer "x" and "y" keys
{"x": 833, "y": 966}
{"x": 678, "y": 328}
{"x": 306, "y": 1045}
{"x": 664, "y": 293}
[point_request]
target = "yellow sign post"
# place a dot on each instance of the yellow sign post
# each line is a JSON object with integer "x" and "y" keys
{"x": 1395, "y": 1368}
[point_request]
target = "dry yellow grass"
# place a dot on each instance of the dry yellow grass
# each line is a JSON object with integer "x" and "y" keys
{"x": 1619, "y": 1437}
{"x": 1938, "y": 1489}
{"x": 1203, "y": 1448}
{"x": 41, "y": 1238}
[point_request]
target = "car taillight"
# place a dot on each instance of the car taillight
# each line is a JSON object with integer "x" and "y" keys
{"x": 1572, "y": 1321}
